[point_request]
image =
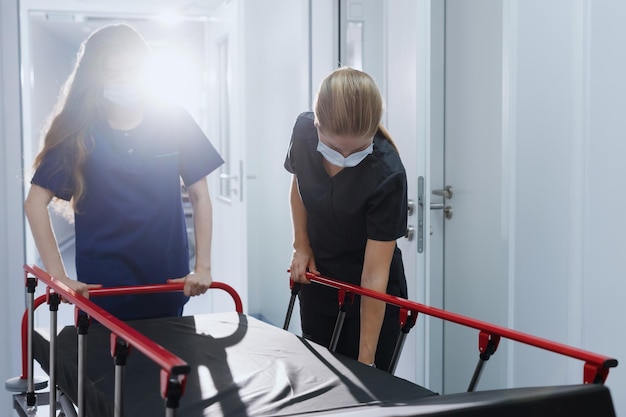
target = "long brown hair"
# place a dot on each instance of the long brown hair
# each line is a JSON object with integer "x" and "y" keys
{"x": 80, "y": 101}
{"x": 349, "y": 102}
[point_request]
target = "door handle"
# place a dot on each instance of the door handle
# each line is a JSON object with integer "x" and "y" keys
{"x": 224, "y": 177}
{"x": 410, "y": 233}
{"x": 445, "y": 193}
{"x": 410, "y": 207}
{"x": 447, "y": 210}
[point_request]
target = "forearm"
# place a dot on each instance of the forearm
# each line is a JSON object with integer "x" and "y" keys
{"x": 372, "y": 315}
{"x": 36, "y": 209}
{"x": 202, "y": 225}
{"x": 375, "y": 276}
{"x": 298, "y": 217}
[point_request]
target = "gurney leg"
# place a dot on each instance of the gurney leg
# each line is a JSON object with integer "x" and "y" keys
{"x": 337, "y": 331}
{"x": 396, "y": 353}
{"x": 82, "y": 325}
{"x": 120, "y": 351}
{"x": 341, "y": 297}
{"x": 407, "y": 321}
{"x": 31, "y": 283}
{"x": 487, "y": 346}
{"x": 54, "y": 307}
{"x": 173, "y": 388}
{"x": 295, "y": 288}
{"x": 67, "y": 406}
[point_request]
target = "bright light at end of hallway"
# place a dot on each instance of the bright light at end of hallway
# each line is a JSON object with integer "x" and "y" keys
{"x": 168, "y": 17}
{"x": 173, "y": 75}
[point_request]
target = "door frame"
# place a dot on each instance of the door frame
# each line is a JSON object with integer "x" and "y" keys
{"x": 426, "y": 339}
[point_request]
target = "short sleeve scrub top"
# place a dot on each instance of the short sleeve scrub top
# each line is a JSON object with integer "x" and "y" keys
{"x": 368, "y": 201}
{"x": 130, "y": 225}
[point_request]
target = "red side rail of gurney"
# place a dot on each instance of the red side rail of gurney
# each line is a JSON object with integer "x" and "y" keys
{"x": 174, "y": 369}
{"x": 596, "y": 368}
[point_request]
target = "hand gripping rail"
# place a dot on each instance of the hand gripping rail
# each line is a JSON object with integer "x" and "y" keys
{"x": 596, "y": 368}
{"x": 174, "y": 370}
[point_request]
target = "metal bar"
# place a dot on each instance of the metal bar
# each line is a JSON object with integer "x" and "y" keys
{"x": 172, "y": 389}
{"x": 156, "y": 288}
{"x": 25, "y": 334}
{"x": 337, "y": 330}
{"x": 54, "y": 307}
{"x": 292, "y": 301}
{"x": 66, "y": 405}
{"x": 584, "y": 355}
{"x": 82, "y": 323}
{"x": 120, "y": 351}
{"x": 476, "y": 376}
{"x": 170, "y": 364}
{"x": 119, "y": 395}
{"x": 155, "y": 352}
{"x": 81, "y": 373}
{"x": 407, "y": 321}
{"x": 295, "y": 289}
{"x": 31, "y": 283}
{"x": 396, "y": 353}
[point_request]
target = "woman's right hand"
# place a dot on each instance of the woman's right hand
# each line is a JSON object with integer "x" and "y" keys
{"x": 79, "y": 287}
{"x": 303, "y": 261}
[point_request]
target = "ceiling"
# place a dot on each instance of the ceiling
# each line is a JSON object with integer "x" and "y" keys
{"x": 74, "y": 26}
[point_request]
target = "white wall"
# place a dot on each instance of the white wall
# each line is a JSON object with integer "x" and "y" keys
{"x": 277, "y": 90}
{"x": 559, "y": 77}
{"x": 604, "y": 149}
{"x": 11, "y": 217}
{"x": 567, "y": 111}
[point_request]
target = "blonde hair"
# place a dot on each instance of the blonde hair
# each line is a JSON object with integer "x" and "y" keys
{"x": 348, "y": 103}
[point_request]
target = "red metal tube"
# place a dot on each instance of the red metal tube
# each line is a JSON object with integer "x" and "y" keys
{"x": 592, "y": 360}
{"x": 101, "y": 292}
{"x": 154, "y": 288}
{"x": 169, "y": 362}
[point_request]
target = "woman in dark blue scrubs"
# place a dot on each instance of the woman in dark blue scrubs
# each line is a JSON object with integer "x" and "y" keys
{"x": 349, "y": 205}
{"x": 118, "y": 157}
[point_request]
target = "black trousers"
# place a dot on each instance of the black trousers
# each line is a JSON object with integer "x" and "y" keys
{"x": 319, "y": 328}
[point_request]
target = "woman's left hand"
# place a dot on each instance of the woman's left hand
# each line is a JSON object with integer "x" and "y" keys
{"x": 196, "y": 283}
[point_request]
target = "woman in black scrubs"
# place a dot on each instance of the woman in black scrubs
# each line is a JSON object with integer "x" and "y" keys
{"x": 349, "y": 205}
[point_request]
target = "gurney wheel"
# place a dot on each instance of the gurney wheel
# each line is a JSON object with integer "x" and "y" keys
{"x": 19, "y": 384}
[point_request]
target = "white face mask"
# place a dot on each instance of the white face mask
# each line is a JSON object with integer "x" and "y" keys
{"x": 126, "y": 96}
{"x": 339, "y": 160}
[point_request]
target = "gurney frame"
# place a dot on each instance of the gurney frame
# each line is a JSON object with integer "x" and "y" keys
{"x": 595, "y": 370}
{"x": 174, "y": 370}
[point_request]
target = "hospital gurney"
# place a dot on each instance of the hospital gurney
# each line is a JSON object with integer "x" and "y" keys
{"x": 236, "y": 365}
{"x": 595, "y": 370}
{"x": 225, "y": 364}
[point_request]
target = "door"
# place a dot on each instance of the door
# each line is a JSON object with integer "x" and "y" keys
{"x": 375, "y": 37}
{"x": 225, "y": 81}
{"x": 474, "y": 263}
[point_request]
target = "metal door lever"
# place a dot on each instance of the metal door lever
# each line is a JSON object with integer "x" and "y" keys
{"x": 447, "y": 210}
{"x": 410, "y": 233}
{"x": 445, "y": 193}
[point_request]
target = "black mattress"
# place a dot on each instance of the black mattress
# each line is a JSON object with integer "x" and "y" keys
{"x": 241, "y": 366}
